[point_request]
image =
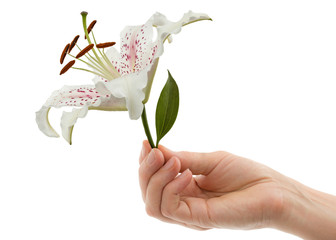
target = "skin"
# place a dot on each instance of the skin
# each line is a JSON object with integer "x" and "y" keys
{"x": 222, "y": 190}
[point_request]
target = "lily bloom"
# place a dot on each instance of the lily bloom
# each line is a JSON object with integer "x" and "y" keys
{"x": 122, "y": 79}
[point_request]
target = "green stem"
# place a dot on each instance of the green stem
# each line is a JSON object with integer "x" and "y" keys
{"x": 145, "y": 124}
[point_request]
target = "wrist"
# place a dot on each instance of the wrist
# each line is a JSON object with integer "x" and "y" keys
{"x": 307, "y": 213}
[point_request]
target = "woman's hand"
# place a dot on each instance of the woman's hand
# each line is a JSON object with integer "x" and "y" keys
{"x": 222, "y": 190}
{"x": 227, "y": 191}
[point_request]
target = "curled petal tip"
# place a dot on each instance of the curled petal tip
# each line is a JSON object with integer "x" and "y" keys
{"x": 43, "y": 122}
{"x": 68, "y": 121}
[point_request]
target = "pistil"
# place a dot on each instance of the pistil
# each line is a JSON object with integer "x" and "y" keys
{"x": 101, "y": 66}
{"x": 111, "y": 69}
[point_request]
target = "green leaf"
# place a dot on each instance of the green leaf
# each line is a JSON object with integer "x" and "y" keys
{"x": 167, "y": 108}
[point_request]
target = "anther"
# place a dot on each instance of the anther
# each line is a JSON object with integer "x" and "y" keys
{"x": 73, "y": 43}
{"x": 85, "y": 50}
{"x": 91, "y": 26}
{"x": 105, "y": 45}
{"x": 67, "y": 67}
{"x": 65, "y": 51}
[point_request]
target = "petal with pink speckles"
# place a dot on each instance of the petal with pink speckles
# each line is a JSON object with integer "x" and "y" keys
{"x": 80, "y": 97}
{"x": 136, "y": 48}
{"x": 74, "y": 96}
{"x": 136, "y": 64}
{"x": 139, "y": 58}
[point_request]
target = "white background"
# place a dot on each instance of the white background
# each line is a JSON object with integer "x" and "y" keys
{"x": 258, "y": 81}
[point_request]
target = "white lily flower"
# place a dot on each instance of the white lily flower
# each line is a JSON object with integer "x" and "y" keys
{"x": 123, "y": 80}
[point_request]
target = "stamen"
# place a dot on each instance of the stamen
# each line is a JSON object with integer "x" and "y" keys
{"x": 73, "y": 43}
{"x": 105, "y": 45}
{"x": 110, "y": 74}
{"x": 66, "y": 67}
{"x": 91, "y": 26}
{"x": 85, "y": 50}
{"x": 93, "y": 64}
{"x": 65, "y": 50}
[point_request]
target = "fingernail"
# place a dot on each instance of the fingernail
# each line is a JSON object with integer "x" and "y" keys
{"x": 143, "y": 149}
{"x": 168, "y": 164}
{"x": 182, "y": 175}
{"x": 151, "y": 158}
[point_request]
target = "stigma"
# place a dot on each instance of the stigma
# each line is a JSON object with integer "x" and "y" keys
{"x": 93, "y": 55}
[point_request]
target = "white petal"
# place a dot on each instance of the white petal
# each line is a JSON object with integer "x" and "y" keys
{"x": 77, "y": 96}
{"x": 165, "y": 27}
{"x": 139, "y": 59}
{"x": 114, "y": 57}
{"x": 43, "y": 122}
{"x": 68, "y": 121}
{"x": 130, "y": 87}
{"x": 74, "y": 96}
{"x": 136, "y": 48}
{"x": 108, "y": 102}
{"x": 150, "y": 75}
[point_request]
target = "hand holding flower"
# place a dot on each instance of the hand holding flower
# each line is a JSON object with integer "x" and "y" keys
{"x": 222, "y": 190}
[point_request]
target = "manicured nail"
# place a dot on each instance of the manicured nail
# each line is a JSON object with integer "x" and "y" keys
{"x": 151, "y": 158}
{"x": 168, "y": 164}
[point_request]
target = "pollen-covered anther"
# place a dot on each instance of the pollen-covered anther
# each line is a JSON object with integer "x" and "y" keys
{"x": 89, "y": 29}
{"x": 73, "y": 43}
{"x": 67, "y": 67}
{"x": 85, "y": 50}
{"x": 65, "y": 51}
{"x": 105, "y": 45}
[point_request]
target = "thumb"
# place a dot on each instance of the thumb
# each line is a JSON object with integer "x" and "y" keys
{"x": 198, "y": 163}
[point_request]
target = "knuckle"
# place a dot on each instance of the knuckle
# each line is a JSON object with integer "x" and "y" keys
{"x": 140, "y": 170}
{"x": 157, "y": 182}
{"x": 150, "y": 211}
{"x": 168, "y": 189}
{"x": 156, "y": 179}
{"x": 143, "y": 171}
{"x": 166, "y": 212}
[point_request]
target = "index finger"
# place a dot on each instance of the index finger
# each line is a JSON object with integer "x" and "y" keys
{"x": 198, "y": 163}
{"x": 146, "y": 148}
